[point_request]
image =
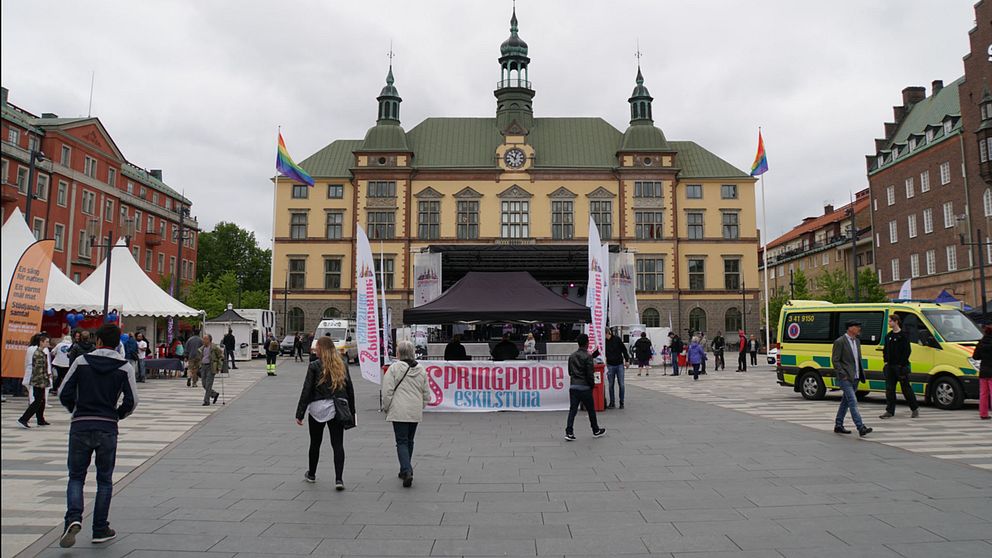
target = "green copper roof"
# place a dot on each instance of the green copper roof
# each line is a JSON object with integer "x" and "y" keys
{"x": 642, "y": 136}
{"x": 929, "y": 112}
{"x": 455, "y": 142}
{"x": 697, "y": 162}
{"x": 333, "y": 161}
{"x": 385, "y": 137}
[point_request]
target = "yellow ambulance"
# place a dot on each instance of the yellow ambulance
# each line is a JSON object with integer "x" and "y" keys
{"x": 942, "y": 338}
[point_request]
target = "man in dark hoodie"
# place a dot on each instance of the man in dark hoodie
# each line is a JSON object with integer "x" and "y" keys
{"x": 581, "y": 380}
{"x": 90, "y": 392}
{"x": 455, "y": 350}
{"x": 82, "y": 347}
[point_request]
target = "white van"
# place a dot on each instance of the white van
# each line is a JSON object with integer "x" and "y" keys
{"x": 343, "y": 334}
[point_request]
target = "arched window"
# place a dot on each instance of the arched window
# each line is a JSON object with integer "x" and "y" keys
{"x": 331, "y": 313}
{"x": 294, "y": 321}
{"x": 987, "y": 202}
{"x": 732, "y": 320}
{"x": 697, "y": 320}
{"x": 651, "y": 318}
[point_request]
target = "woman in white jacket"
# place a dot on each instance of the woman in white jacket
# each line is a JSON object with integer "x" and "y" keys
{"x": 404, "y": 395}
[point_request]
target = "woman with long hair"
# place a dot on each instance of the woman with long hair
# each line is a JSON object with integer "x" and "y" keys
{"x": 327, "y": 379}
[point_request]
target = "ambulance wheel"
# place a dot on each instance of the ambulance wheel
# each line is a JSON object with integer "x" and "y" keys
{"x": 811, "y": 386}
{"x": 946, "y": 393}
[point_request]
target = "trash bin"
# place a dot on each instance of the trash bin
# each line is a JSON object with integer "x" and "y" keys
{"x": 599, "y": 387}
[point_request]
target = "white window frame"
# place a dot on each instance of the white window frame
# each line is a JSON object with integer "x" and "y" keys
{"x": 949, "y": 218}
{"x": 62, "y": 194}
{"x": 65, "y": 156}
{"x": 928, "y": 220}
{"x": 914, "y": 265}
{"x": 987, "y": 202}
{"x": 925, "y": 181}
{"x": 910, "y": 188}
{"x": 890, "y": 195}
{"x": 931, "y": 258}
{"x": 895, "y": 269}
{"x": 58, "y": 234}
{"x": 951, "y": 252}
{"x": 945, "y": 173}
{"x": 911, "y": 225}
{"x": 38, "y": 228}
{"x": 90, "y": 166}
{"x": 893, "y": 232}
{"x": 112, "y": 176}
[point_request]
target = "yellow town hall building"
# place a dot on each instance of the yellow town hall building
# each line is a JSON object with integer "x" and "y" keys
{"x": 514, "y": 192}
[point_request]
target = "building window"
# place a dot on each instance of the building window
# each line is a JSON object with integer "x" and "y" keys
{"x": 161, "y": 263}
{"x": 89, "y": 167}
{"x": 22, "y": 180}
{"x": 895, "y": 269}
{"x": 14, "y": 136}
{"x": 987, "y": 202}
{"x": 928, "y": 220}
{"x": 697, "y": 274}
{"x": 650, "y": 274}
{"x": 949, "y": 218}
{"x": 948, "y": 126}
{"x": 41, "y": 188}
{"x": 142, "y": 192}
{"x": 731, "y": 274}
{"x": 148, "y": 260}
{"x": 732, "y": 320}
{"x": 952, "y": 258}
{"x": 172, "y": 265}
{"x": 332, "y": 273}
{"x": 925, "y": 181}
{"x": 335, "y": 225}
{"x": 298, "y": 225}
{"x": 890, "y": 195}
{"x": 130, "y": 187}
{"x": 38, "y": 228}
{"x": 387, "y": 280}
{"x": 914, "y": 265}
{"x": 647, "y": 189}
{"x": 728, "y": 192}
{"x": 297, "y": 273}
{"x": 295, "y": 320}
{"x": 382, "y": 189}
{"x": 697, "y": 320}
{"x": 331, "y": 313}
{"x": 647, "y": 225}
{"x": 910, "y": 188}
{"x": 826, "y": 258}
{"x": 84, "y": 248}
{"x": 112, "y": 177}
{"x": 335, "y": 191}
{"x": 468, "y": 220}
{"x": 893, "y": 232}
{"x": 89, "y": 203}
{"x": 150, "y": 227}
{"x": 562, "y": 219}
{"x": 945, "y": 173}
{"x": 175, "y": 234}
{"x": 66, "y": 156}
{"x": 168, "y": 204}
{"x": 651, "y": 318}
{"x": 931, "y": 262}
{"x": 911, "y": 223}
{"x": 301, "y": 191}
{"x": 154, "y": 198}
{"x": 382, "y": 225}
{"x": 983, "y": 149}
{"x": 694, "y": 222}
{"x": 731, "y": 226}
{"x": 59, "y": 236}
{"x": 429, "y": 220}
{"x": 136, "y": 251}
{"x": 108, "y": 211}
{"x": 515, "y": 219}
{"x": 602, "y": 215}
{"x": 62, "y": 195}
{"x": 694, "y": 191}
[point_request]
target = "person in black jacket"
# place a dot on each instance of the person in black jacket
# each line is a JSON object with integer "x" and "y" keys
{"x": 642, "y": 352}
{"x": 581, "y": 380}
{"x": 82, "y": 347}
{"x": 327, "y": 379}
{"x": 90, "y": 392}
{"x": 719, "y": 345}
{"x": 616, "y": 357}
{"x": 505, "y": 349}
{"x": 455, "y": 350}
{"x": 983, "y": 352}
{"x": 895, "y": 354}
{"x": 229, "y": 343}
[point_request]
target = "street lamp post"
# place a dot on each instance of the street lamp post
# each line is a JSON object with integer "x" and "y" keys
{"x": 180, "y": 236}
{"x": 36, "y": 157}
{"x": 979, "y": 245}
{"x": 93, "y": 231}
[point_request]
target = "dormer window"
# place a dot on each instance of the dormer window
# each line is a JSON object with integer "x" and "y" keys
{"x": 986, "y": 111}
{"x": 895, "y": 152}
{"x": 880, "y": 161}
{"x": 930, "y": 134}
{"x": 948, "y": 126}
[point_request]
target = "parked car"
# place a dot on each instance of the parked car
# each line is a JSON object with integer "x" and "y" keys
{"x": 771, "y": 355}
{"x": 286, "y": 346}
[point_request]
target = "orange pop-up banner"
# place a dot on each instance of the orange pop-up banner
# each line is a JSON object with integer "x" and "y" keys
{"x": 25, "y": 305}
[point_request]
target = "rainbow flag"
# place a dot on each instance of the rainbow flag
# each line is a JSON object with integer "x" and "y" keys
{"x": 286, "y": 166}
{"x": 760, "y": 165}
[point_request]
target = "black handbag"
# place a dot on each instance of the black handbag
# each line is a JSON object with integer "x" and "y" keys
{"x": 343, "y": 414}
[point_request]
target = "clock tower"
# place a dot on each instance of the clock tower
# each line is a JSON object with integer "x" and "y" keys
{"x": 514, "y": 96}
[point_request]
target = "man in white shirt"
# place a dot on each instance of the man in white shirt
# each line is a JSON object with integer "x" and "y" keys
{"x": 60, "y": 362}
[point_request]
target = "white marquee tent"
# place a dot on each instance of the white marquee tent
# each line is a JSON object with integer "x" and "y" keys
{"x": 62, "y": 294}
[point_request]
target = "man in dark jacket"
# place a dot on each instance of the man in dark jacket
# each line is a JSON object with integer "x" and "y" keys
{"x": 90, "y": 392}
{"x": 719, "y": 345}
{"x": 896, "y": 356}
{"x": 229, "y": 343}
{"x": 616, "y": 357}
{"x": 505, "y": 349}
{"x": 675, "y": 347}
{"x": 193, "y": 344}
{"x": 84, "y": 346}
{"x": 849, "y": 372}
{"x": 581, "y": 379}
{"x": 455, "y": 350}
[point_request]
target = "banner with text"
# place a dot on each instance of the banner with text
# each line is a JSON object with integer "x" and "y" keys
{"x": 426, "y": 277}
{"x": 25, "y": 305}
{"x": 366, "y": 314}
{"x": 623, "y": 293}
{"x": 512, "y": 385}
{"x": 595, "y": 295}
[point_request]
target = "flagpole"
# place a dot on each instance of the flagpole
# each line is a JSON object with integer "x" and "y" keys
{"x": 272, "y": 265}
{"x": 764, "y": 253}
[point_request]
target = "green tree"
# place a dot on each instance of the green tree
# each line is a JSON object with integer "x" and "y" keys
{"x": 204, "y": 295}
{"x": 800, "y": 287}
{"x": 834, "y": 286}
{"x": 230, "y": 249}
{"x": 869, "y": 288}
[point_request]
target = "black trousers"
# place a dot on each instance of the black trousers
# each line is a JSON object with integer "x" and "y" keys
{"x": 742, "y": 361}
{"x": 754, "y": 358}
{"x": 37, "y": 407}
{"x": 575, "y": 398}
{"x": 336, "y": 434}
{"x": 896, "y": 374}
{"x": 718, "y": 361}
{"x": 229, "y": 354}
{"x": 270, "y": 357}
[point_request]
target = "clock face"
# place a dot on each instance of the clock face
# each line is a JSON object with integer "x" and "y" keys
{"x": 514, "y": 158}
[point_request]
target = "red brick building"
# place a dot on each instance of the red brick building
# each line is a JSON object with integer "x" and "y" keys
{"x": 84, "y": 181}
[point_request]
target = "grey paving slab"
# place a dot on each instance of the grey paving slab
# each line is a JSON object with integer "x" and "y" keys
{"x": 602, "y": 545}
{"x": 953, "y": 549}
{"x": 267, "y": 545}
{"x": 484, "y": 547}
{"x": 369, "y": 547}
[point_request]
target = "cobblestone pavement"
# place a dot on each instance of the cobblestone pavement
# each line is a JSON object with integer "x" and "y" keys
{"x": 955, "y": 435}
{"x": 34, "y": 461}
{"x": 673, "y": 477}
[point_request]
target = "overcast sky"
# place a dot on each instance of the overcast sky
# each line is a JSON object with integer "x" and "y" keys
{"x": 197, "y": 88}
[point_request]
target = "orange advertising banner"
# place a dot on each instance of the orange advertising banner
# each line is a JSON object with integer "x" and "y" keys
{"x": 25, "y": 305}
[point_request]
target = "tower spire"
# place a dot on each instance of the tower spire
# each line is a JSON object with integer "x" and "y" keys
{"x": 389, "y": 98}
{"x": 513, "y": 92}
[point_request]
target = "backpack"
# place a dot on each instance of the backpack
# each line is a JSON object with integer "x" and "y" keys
{"x": 273, "y": 346}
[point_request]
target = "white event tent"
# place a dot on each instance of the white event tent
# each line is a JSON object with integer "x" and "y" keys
{"x": 62, "y": 294}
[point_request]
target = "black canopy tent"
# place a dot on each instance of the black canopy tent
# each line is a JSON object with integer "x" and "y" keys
{"x": 500, "y": 297}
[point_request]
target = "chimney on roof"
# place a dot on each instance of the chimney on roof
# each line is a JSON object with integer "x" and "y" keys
{"x": 157, "y": 173}
{"x": 912, "y": 95}
{"x": 828, "y": 209}
{"x": 3, "y": 95}
{"x": 936, "y": 86}
{"x": 49, "y": 115}
{"x": 891, "y": 127}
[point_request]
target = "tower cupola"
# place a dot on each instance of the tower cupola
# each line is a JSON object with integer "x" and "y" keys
{"x": 389, "y": 101}
{"x": 514, "y": 95}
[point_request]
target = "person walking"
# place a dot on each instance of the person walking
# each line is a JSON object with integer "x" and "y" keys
{"x": 616, "y": 357}
{"x": 741, "y": 351}
{"x": 642, "y": 353}
{"x": 229, "y": 344}
{"x": 846, "y": 359}
{"x": 983, "y": 352}
{"x": 696, "y": 356}
{"x": 675, "y": 347}
{"x": 130, "y": 343}
{"x": 404, "y": 396}
{"x": 752, "y": 349}
{"x": 454, "y": 350}
{"x": 505, "y": 349}
{"x": 895, "y": 354}
{"x": 193, "y": 345}
{"x": 91, "y": 390}
{"x": 37, "y": 378}
{"x": 327, "y": 380}
{"x": 581, "y": 380}
{"x": 211, "y": 363}
{"x": 718, "y": 345}
{"x": 82, "y": 347}
{"x": 271, "y": 352}
{"x": 298, "y": 347}
{"x": 60, "y": 362}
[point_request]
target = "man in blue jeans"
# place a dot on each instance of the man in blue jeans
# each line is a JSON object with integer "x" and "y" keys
{"x": 616, "y": 357}
{"x": 847, "y": 363}
{"x": 581, "y": 379}
{"x": 92, "y": 387}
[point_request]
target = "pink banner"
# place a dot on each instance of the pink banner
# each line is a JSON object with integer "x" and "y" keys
{"x": 479, "y": 386}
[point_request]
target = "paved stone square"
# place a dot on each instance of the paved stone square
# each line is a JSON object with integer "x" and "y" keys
{"x": 673, "y": 477}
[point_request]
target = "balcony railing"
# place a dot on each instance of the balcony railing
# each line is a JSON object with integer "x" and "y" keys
{"x": 153, "y": 239}
{"x": 513, "y": 82}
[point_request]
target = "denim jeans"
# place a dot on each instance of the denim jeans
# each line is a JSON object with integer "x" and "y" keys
{"x": 82, "y": 445}
{"x": 584, "y": 397}
{"x": 848, "y": 401}
{"x": 614, "y": 372}
{"x": 404, "y": 433}
{"x": 675, "y": 365}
